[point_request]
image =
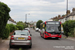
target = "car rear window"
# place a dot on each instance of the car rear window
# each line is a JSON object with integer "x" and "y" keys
{"x": 21, "y": 33}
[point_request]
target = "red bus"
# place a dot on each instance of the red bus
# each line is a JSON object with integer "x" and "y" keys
{"x": 51, "y": 29}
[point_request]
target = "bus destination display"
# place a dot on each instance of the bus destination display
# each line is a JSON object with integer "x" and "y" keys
{"x": 52, "y": 22}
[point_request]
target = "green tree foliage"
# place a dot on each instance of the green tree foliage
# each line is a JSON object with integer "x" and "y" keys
{"x": 21, "y": 23}
{"x": 38, "y": 23}
{"x": 12, "y": 27}
{"x": 20, "y": 27}
{"x": 4, "y": 16}
{"x": 69, "y": 27}
{"x": 6, "y": 32}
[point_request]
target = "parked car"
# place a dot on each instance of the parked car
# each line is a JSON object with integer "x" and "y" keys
{"x": 37, "y": 29}
{"x": 27, "y": 29}
{"x": 21, "y": 38}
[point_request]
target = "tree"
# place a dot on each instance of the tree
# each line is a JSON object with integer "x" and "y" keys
{"x": 38, "y": 23}
{"x": 21, "y": 23}
{"x": 20, "y": 27}
{"x": 4, "y": 16}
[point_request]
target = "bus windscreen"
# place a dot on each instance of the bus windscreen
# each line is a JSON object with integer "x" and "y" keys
{"x": 53, "y": 28}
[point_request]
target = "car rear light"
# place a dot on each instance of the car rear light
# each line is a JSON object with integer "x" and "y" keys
{"x": 29, "y": 38}
{"x": 12, "y": 37}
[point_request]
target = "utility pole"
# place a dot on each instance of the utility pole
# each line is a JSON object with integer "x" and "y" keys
{"x": 66, "y": 8}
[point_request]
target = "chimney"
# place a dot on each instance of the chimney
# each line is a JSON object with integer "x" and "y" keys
{"x": 68, "y": 12}
{"x": 59, "y": 16}
{"x": 63, "y": 16}
{"x": 73, "y": 10}
{"x": 56, "y": 17}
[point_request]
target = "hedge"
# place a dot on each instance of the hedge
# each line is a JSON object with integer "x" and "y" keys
{"x": 6, "y": 32}
{"x": 69, "y": 27}
{"x": 12, "y": 27}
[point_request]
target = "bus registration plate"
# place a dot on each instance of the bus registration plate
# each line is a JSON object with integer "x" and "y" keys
{"x": 53, "y": 37}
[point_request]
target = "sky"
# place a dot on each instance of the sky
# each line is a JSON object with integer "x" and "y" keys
{"x": 37, "y": 9}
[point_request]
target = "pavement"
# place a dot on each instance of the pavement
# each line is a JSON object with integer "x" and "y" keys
{"x": 70, "y": 38}
{"x": 4, "y": 45}
{"x": 39, "y": 43}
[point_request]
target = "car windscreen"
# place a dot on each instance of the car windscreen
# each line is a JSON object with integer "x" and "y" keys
{"x": 53, "y": 28}
{"x": 21, "y": 33}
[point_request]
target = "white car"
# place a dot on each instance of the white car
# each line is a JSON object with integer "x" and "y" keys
{"x": 27, "y": 29}
{"x": 37, "y": 29}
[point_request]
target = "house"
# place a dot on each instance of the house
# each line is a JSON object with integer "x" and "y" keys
{"x": 50, "y": 19}
{"x": 63, "y": 18}
{"x": 11, "y": 21}
{"x": 71, "y": 16}
{"x": 56, "y": 18}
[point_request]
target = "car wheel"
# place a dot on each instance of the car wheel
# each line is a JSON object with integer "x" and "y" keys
{"x": 10, "y": 46}
{"x": 30, "y": 46}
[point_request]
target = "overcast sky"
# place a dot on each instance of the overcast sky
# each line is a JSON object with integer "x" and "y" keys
{"x": 38, "y": 9}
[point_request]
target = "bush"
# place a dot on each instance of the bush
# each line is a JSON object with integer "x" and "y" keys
{"x": 20, "y": 27}
{"x": 12, "y": 27}
{"x": 69, "y": 27}
{"x": 6, "y": 32}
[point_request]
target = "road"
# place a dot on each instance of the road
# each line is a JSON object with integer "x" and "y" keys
{"x": 39, "y": 43}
